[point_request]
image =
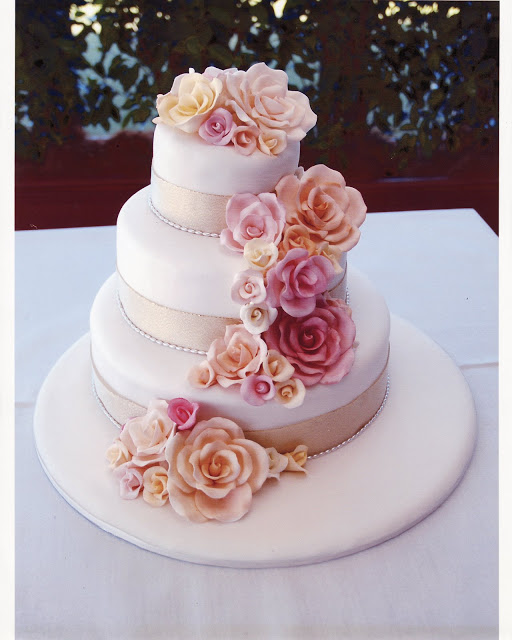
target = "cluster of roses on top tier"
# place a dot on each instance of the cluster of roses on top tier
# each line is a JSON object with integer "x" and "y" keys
{"x": 247, "y": 109}
{"x": 205, "y": 469}
{"x": 293, "y": 333}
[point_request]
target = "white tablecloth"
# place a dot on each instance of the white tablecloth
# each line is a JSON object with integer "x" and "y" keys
{"x": 437, "y": 580}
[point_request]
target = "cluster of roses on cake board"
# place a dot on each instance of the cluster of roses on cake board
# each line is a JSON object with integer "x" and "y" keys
{"x": 205, "y": 469}
{"x": 293, "y": 334}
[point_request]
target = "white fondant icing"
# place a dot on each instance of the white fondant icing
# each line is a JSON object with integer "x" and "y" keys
{"x": 174, "y": 268}
{"x": 139, "y": 369}
{"x": 188, "y": 161}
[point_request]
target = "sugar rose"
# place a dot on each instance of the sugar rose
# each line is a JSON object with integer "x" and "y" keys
{"x": 213, "y": 471}
{"x": 297, "y": 458}
{"x": 117, "y": 454}
{"x": 297, "y": 236}
{"x": 294, "y": 283}
{"x": 249, "y": 286}
{"x": 130, "y": 480}
{"x": 145, "y": 437}
{"x": 321, "y": 202}
{"x": 319, "y": 345}
{"x": 272, "y": 141}
{"x": 218, "y": 128}
{"x": 291, "y": 393}
{"x": 154, "y": 483}
{"x": 277, "y": 462}
{"x": 257, "y": 389}
{"x": 260, "y": 255}
{"x": 191, "y": 98}
{"x": 245, "y": 139}
{"x": 257, "y": 316}
{"x": 277, "y": 366}
{"x": 183, "y": 412}
{"x": 202, "y": 376}
{"x": 236, "y": 355}
{"x": 250, "y": 217}
{"x": 260, "y": 96}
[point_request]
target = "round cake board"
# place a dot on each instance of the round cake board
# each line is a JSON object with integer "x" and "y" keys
{"x": 399, "y": 470}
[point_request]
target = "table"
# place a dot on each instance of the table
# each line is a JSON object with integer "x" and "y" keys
{"x": 437, "y": 269}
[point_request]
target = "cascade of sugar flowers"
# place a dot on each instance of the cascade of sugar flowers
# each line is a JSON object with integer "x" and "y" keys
{"x": 293, "y": 333}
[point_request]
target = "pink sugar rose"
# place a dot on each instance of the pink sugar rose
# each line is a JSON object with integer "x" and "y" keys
{"x": 219, "y": 127}
{"x": 249, "y": 217}
{"x": 319, "y": 345}
{"x": 248, "y": 286}
{"x": 130, "y": 480}
{"x": 235, "y": 356}
{"x": 320, "y": 201}
{"x": 260, "y": 96}
{"x": 213, "y": 471}
{"x": 294, "y": 283}
{"x": 256, "y": 390}
{"x": 183, "y": 413}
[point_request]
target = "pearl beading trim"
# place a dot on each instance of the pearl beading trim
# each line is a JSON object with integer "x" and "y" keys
{"x": 179, "y": 226}
{"x": 357, "y": 433}
{"x": 152, "y": 338}
{"x": 103, "y": 407}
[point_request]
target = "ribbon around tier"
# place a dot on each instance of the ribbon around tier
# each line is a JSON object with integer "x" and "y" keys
{"x": 190, "y": 331}
{"x": 320, "y": 433}
{"x": 201, "y": 212}
{"x": 180, "y": 329}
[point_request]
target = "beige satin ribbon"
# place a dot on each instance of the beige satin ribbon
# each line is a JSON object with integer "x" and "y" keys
{"x": 202, "y": 212}
{"x": 118, "y": 408}
{"x": 319, "y": 434}
{"x": 189, "y": 331}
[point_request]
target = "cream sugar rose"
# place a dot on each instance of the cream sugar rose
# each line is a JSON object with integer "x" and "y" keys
{"x": 271, "y": 323}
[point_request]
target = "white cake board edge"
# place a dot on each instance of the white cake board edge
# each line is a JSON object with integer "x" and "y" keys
{"x": 385, "y": 481}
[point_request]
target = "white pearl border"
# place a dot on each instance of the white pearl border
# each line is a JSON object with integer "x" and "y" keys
{"x": 178, "y": 226}
{"x": 152, "y": 338}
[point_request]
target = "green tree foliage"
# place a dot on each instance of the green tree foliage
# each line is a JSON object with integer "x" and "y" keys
{"x": 420, "y": 73}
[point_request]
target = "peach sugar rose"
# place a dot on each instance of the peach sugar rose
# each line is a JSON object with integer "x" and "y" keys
{"x": 320, "y": 201}
{"x": 213, "y": 471}
{"x": 297, "y": 236}
{"x": 260, "y": 96}
{"x": 235, "y": 356}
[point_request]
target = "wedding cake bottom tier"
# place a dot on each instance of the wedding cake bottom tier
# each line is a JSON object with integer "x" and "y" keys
{"x": 129, "y": 370}
{"x": 385, "y": 481}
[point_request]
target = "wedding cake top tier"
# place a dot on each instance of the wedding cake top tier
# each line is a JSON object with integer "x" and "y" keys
{"x": 221, "y": 133}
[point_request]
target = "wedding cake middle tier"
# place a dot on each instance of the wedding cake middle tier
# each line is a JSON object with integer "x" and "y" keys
{"x": 130, "y": 369}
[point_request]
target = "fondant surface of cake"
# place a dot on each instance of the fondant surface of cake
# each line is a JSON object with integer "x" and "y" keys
{"x": 188, "y": 161}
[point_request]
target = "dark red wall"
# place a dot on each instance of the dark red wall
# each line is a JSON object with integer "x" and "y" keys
{"x": 85, "y": 183}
